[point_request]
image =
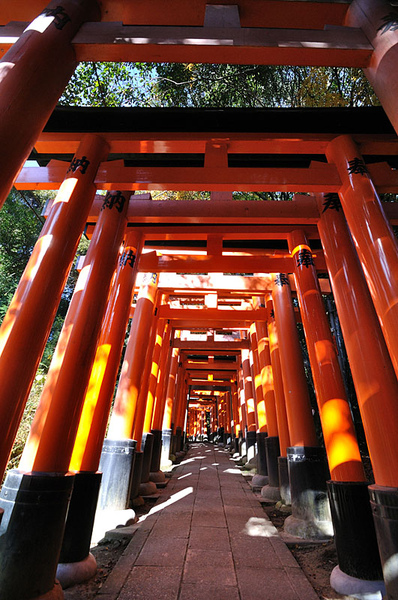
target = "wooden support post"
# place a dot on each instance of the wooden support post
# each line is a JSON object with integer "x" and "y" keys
{"x": 298, "y": 407}
{"x": 34, "y": 73}
{"x": 28, "y": 321}
{"x": 377, "y": 389}
{"x": 338, "y": 429}
{"x": 48, "y": 449}
{"x": 94, "y": 418}
{"x": 374, "y": 239}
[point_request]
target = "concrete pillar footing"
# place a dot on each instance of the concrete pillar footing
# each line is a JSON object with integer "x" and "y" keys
{"x": 308, "y": 529}
{"x": 110, "y": 519}
{"x": 147, "y": 488}
{"x": 69, "y": 574}
{"x": 138, "y": 501}
{"x": 270, "y": 493}
{"x": 365, "y": 589}
{"x": 259, "y": 481}
{"x": 157, "y": 477}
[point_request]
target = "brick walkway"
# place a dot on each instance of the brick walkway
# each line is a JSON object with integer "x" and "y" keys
{"x": 207, "y": 537}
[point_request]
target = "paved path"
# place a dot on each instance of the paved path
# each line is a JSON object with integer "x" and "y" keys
{"x": 207, "y": 537}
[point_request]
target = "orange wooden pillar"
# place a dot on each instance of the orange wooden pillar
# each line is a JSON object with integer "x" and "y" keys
{"x": 280, "y": 404}
{"x": 304, "y": 452}
{"x": 375, "y": 384}
{"x": 378, "y": 21}
{"x": 250, "y": 407}
{"x": 34, "y": 72}
{"x": 257, "y": 378}
{"x": 172, "y": 397}
{"x": 94, "y": 418}
{"x": 180, "y": 413}
{"x": 374, "y": 239}
{"x": 50, "y": 443}
{"x": 118, "y": 455}
{"x": 338, "y": 429}
{"x": 261, "y": 477}
{"x": 28, "y": 321}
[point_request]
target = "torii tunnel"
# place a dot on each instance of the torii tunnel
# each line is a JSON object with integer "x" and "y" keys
{"x": 217, "y": 289}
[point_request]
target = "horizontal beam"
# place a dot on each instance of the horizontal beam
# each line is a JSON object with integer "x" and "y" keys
{"x": 211, "y": 346}
{"x": 319, "y": 177}
{"x": 302, "y": 210}
{"x": 198, "y": 386}
{"x": 171, "y": 282}
{"x": 211, "y": 365}
{"x": 152, "y": 263}
{"x": 226, "y": 375}
{"x": 205, "y": 315}
{"x": 123, "y": 140}
{"x": 107, "y": 41}
{"x": 267, "y": 13}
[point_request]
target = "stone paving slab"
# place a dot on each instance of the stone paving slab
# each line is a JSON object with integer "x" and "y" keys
{"x": 207, "y": 537}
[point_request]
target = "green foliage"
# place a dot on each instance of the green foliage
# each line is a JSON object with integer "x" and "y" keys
{"x": 107, "y": 84}
{"x": 208, "y": 85}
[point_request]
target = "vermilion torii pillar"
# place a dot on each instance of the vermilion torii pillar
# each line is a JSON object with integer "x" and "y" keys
{"x": 304, "y": 453}
{"x": 117, "y": 458}
{"x": 261, "y": 477}
{"x": 33, "y": 74}
{"x": 376, "y": 388}
{"x": 374, "y": 239}
{"x": 49, "y": 447}
{"x": 280, "y": 404}
{"x": 338, "y": 428}
{"x": 28, "y": 321}
{"x": 378, "y": 19}
{"x": 90, "y": 436}
{"x": 250, "y": 406}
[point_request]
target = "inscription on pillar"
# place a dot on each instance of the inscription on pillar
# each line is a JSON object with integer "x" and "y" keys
{"x": 390, "y": 23}
{"x": 61, "y": 18}
{"x": 357, "y": 167}
{"x": 127, "y": 258}
{"x": 281, "y": 279}
{"x": 272, "y": 314}
{"x": 114, "y": 200}
{"x": 79, "y": 163}
{"x": 304, "y": 258}
{"x": 332, "y": 201}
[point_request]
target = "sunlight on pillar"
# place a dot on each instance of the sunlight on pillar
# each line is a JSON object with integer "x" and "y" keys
{"x": 90, "y": 402}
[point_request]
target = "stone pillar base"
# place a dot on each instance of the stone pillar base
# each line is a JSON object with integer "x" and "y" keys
{"x": 353, "y": 586}
{"x": 270, "y": 493}
{"x": 157, "y": 477}
{"x": 72, "y": 573}
{"x": 308, "y": 530}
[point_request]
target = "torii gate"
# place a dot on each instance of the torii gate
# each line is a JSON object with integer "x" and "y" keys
{"x": 39, "y": 61}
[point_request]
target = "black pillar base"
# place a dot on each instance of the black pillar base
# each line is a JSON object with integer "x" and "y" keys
{"x": 354, "y": 531}
{"x": 166, "y": 446}
{"x": 156, "y": 450}
{"x": 262, "y": 468}
{"x": 272, "y": 453}
{"x": 251, "y": 451}
{"x": 308, "y": 472}
{"x": 117, "y": 464}
{"x": 284, "y": 481}
{"x": 146, "y": 448}
{"x": 31, "y": 532}
{"x": 235, "y": 446}
{"x": 136, "y": 477}
{"x": 384, "y": 504}
{"x": 81, "y": 514}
